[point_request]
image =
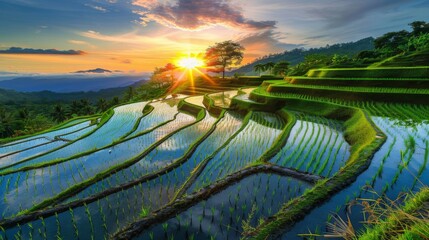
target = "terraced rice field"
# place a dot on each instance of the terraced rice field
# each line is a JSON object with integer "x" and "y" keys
{"x": 170, "y": 169}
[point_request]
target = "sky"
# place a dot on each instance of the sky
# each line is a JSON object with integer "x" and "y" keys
{"x": 133, "y": 36}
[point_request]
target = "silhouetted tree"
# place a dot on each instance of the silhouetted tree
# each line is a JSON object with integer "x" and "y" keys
{"x": 222, "y": 55}
{"x": 419, "y": 27}
{"x": 75, "y": 108}
{"x": 115, "y": 101}
{"x": 259, "y": 68}
{"x": 102, "y": 105}
{"x": 59, "y": 113}
{"x": 6, "y": 123}
{"x": 269, "y": 66}
{"x": 129, "y": 94}
{"x": 86, "y": 108}
{"x": 281, "y": 68}
{"x": 390, "y": 42}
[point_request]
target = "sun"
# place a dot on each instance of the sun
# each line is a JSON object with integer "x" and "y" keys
{"x": 190, "y": 63}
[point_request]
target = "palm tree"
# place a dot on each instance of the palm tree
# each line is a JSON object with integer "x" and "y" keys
{"x": 24, "y": 114}
{"x": 115, "y": 101}
{"x": 102, "y": 105}
{"x": 269, "y": 66}
{"x": 86, "y": 108}
{"x": 59, "y": 113}
{"x": 75, "y": 108}
{"x": 259, "y": 68}
{"x": 129, "y": 94}
{"x": 6, "y": 123}
{"x": 281, "y": 68}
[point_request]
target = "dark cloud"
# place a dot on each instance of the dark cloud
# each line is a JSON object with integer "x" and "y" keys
{"x": 322, "y": 36}
{"x": 18, "y": 50}
{"x": 340, "y": 13}
{"x": 96, "y": 70}
{"x": 268, "y": 41}
{"x": 197, "y": 14}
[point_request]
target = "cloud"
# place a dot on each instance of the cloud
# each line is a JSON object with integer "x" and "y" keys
{"x": 340, "y": 13}
{"x": 18, "y": 50}
{"x": 98, "y": 8}
{"x": 197, "y": 15}
{"x": 78, "y": 42}
{"x": 96, "y": 70}
{"x": 266, "y": 41}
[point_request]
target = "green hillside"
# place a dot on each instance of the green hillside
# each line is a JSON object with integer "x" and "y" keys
{"x": 296, "y": 56}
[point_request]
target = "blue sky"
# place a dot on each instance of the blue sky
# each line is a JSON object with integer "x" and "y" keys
{"x": 138, "y": 35}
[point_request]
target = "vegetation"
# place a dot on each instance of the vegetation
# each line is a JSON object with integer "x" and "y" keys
{"x": 223, "y": 55}
{"x": 232, "y": 163}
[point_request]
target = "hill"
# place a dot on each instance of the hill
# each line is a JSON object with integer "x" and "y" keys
{"x": 68, "y": 83}
{"x": 11, "y": 96}
{"x": 297, "y": 55}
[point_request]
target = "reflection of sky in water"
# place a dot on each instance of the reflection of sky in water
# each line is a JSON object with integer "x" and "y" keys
{"x": 404, "y": 182}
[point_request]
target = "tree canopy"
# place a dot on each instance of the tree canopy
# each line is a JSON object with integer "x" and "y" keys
{"x": 223, "y": 55}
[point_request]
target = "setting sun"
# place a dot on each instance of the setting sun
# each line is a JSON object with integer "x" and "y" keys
{"x": 190, "y": 62}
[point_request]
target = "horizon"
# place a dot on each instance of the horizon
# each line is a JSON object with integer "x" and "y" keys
{"x": 58, "y": 37}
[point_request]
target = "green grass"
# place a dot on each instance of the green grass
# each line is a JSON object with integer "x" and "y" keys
{"x": 280, "y": 87}
{"x": 81, "y": 186}
{"x": 409, "y": 221}
{"x": 385, "y": 72}
{"x": 54, "y": 128}
{"x": 362, "y": 82}
{"x": 403, "y": 95}
{"x": 414, "y": 59}
{"x": 361, "y": 133}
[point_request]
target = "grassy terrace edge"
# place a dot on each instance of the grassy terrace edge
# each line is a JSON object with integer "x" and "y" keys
{"x": 5, "y": 141}
{"x": 365, "y": 139}
{"x": 379, "y": 72}
{"x": 106, "y": 173}
{"x": 104, "y": 119}
{"x": 25, "y": 217}
{"x": 146, "y": 111}
{"x": 5, "y": 171}
{"x": 417, "y": 96}
{"x": 182, "y": 204}
{"x": 399, "y": 216}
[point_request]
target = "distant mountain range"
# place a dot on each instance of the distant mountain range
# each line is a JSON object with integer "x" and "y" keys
{"x": 297, "y": 55}
{"x": 42, "y": 97}
{"x": 97, "y": 70}
{"x": 71, "y": 82}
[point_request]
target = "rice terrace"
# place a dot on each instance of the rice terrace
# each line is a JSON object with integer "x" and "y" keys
{"x": 308, "y": 143}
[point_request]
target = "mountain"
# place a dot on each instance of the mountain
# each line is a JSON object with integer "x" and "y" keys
{"x": 297, "y": 55}
{"x": 97, "y": 70}
{"x": 13, "y": 97}
{"x": 69, "y": 83}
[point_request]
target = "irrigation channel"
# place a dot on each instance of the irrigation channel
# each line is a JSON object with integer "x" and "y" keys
{"x": 170, "y": 169}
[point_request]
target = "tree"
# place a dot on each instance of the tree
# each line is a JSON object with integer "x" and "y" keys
{"x": 86, "y": 108}
{"x": 418, "y": 43}
{"x": 115, "y": 101}
{"x": 129, "y": 94}
{"x": 102, "y": 105}
{"x": 222, "y": 55}
{"x": 339, "y": 59}
{"x": 419, "y": 27}
{"x": 24, "y": 114}
{"x": 59, "y": 113}
{"x": 281, "y": 68}
{"x": 6, "y": 123}
{"x": 269, "y": 66}
{"x": 75, "y": 108}
{"x": 390, "y": 42}
{"x": 259, "y": 68}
